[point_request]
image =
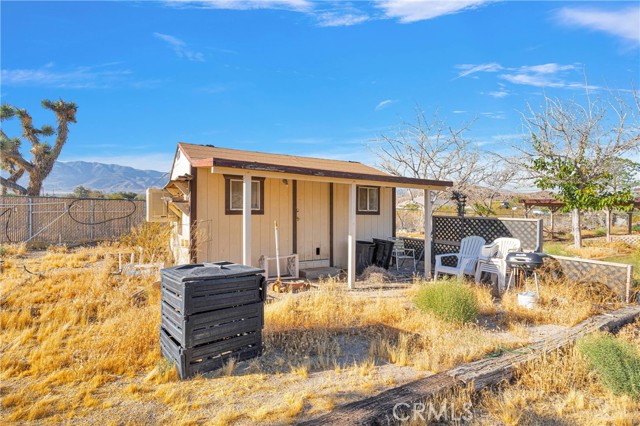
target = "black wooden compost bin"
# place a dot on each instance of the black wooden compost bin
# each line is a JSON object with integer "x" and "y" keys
{"x": 365, "y": 250}
{"x": 383, "y": 253}
{"x": 211, "y": 312}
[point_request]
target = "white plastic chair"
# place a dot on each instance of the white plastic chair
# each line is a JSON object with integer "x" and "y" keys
{"x": 400, "y": 252}
{"x": 467, "y": 258}
{"x": 493, "y": 259}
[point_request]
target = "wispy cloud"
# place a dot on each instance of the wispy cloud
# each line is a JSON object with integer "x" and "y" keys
{"x": 297, "y": 5}
{"x": 419, "y": 10}
{"x": 468, "y": 69}
{"x": 551, "y": 75}
{"x": 81, "y": 77}
{"x": 180, "y": 47}
{"x": 623, "y": 23}
{"x": 497, "y": 115}
{"x": 498, "y": 94}
{"x": 341, "y": 13}
{"x": 384, "y": 104}
{"x": 338, "y": 19}
{"x": 545, "y": 75}
{"x": 213, "y": 89}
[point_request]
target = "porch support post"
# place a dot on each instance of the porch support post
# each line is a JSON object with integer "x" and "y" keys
{"x": 427, "y": 234}
{"x": 351, "y": 251}
{"x": 246, "y": 220}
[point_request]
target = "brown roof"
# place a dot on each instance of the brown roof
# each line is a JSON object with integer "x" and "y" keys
{"x": 210, "y": 156}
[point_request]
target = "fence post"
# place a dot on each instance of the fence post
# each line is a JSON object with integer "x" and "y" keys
{"x": 30, "y": 216}
{"x": 92, "y": 204}
{"x": 540, "y": 236}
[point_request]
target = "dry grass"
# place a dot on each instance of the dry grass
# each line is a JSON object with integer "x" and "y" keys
{"x": 76, "y": 346}
{"x": 600, "y": 249}
{"x": 74, "y": 327}
{"x": 559, "y": 389}
{"x": 561, "y": 302}
{"x": 376, "y": 275}
{"x": 13, "y": 250}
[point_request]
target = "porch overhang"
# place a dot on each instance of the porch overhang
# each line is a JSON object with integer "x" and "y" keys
{"x": 225, "y": 166}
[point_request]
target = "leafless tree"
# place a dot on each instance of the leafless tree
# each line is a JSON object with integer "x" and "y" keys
{"x": 430, "y": 149}
{"x": 499, "y": 175}
{"x": 570, "y": 148}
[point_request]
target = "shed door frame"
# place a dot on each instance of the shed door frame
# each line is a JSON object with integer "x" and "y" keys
{"x": 313, "y": 221}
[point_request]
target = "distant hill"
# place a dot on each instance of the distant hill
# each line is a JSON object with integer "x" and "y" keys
{"x": 108, "y": 178}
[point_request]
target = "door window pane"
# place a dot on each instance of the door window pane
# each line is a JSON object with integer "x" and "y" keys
{"x": 236, "y": 188}
{"x": 362, "y": 199}
{"x": 236, "y": 194}
{"x": 373, "y": 199}
{"x": 255, "y": 195}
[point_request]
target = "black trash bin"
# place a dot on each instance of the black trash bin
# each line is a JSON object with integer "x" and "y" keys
{"x": 383, "y": 253}
{"x": 211, "y": 312}
{"x": 365, "y": 250}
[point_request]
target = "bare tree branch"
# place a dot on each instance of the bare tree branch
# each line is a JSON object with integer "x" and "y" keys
{"x": 14, "y": 186}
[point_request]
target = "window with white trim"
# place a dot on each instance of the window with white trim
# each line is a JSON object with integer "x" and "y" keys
{"x": 368, "y": 200}
{"x": 234, "y": 194}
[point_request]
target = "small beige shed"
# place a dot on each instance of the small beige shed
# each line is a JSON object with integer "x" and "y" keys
{"x": 223, "y": 203}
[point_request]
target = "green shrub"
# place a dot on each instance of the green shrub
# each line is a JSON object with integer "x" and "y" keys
{"x": 449, "y": 300}
{"x": 617, "y": 362}
{"x": 600, "y": 232}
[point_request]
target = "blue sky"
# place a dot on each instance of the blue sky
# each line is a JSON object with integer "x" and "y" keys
{"x": 300, "y": 77}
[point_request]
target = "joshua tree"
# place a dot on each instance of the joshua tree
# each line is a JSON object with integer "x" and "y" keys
{"x": 43, "y": 155}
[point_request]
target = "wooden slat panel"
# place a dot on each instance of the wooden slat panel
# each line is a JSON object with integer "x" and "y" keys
{"x": 225, "y": 231}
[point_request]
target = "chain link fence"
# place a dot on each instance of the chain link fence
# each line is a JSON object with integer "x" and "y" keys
{"x": 66, "y": 220}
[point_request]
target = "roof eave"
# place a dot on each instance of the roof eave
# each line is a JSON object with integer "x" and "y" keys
{"x": 271, "y": 168}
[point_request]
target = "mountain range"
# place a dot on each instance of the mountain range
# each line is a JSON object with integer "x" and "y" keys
{"x": 108, "y": 178}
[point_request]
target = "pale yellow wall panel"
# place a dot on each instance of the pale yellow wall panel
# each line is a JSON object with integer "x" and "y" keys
{"x": 225, "y": 231}
{"x": 340, "y": 224}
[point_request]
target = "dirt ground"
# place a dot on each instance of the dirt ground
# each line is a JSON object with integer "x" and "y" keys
{"x": 77, "y": 349}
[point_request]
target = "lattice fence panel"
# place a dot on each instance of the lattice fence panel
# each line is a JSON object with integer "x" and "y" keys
{"x": 417, "y": 245}
{"x": 447, "y": 228}
{"x": 439, "y": 248}
{"x": 524, "y": 230}
{"x": 629, "y": 239}
{"x": 448, "y": 231}
{"x": 487, "y": 228}
{"x": 436, "y": 248}
{"x": 616, "y": 276}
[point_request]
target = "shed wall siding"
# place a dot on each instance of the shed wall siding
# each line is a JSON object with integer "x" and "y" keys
{"x": 220, "y": 235}
{"x": 367, "y": 226}
{"x": 181, "y": 166}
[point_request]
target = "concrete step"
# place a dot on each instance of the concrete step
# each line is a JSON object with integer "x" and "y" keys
{"x": 317, "y": 273}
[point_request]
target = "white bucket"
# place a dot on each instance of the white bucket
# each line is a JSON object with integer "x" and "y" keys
{"x": 527, "y": 299}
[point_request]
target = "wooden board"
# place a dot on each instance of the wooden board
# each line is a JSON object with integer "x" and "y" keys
{"x": 377, "y": 409}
